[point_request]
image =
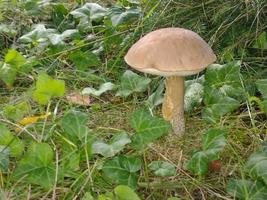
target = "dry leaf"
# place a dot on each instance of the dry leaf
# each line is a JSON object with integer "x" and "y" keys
{"x": 78, "y": 98}
{"x": 30, "y": 120}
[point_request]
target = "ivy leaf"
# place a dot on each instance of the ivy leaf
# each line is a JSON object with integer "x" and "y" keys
{"x": 102, "y": 89}
{"x": 8, "y": 30}
{"x": 56, "y": 38}
{"x": 213, "y": 142}
{"x": 89, "y": 12}
{"x": 116, "y": 144}
{"x": 223, "y": 91}
{"x": 245, "y": 189}
{"x": 37, "y": 166}
{"x": 132, "y": 82}
{"x": 4, "y": 158}
{"x": 147, "y": 128}
{"x": 41, "y": 35}
{"x": 261, "y": 41}
{"x": 156, "y": 98}
{"x": 194, "y": 91}
{"x": 14, "y": 144}
{"x": 84, "y": 60}
{"x": 37, "y": 35}
{"x": 11, "y": 66}
{"x": 123, "y": 170}
{"x": 16, "y": 112}
{"x": 256, "y": 165}
{"x": 261, "y": 86}
{"x": 124, "y": 192}
{"x": 47, "y": 88}
{"x": 198, "y": 164}
{"x": 120, "y": 15}
{"x": 74, "y": 125}
{"x": 162, "y": 168}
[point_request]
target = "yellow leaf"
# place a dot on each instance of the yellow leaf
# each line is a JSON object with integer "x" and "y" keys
{"x": 33, "y": 119}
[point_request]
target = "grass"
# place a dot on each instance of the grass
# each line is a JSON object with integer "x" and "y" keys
{"x": 217, "y": 22}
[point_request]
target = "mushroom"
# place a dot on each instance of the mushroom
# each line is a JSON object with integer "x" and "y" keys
{"x": 173, "y": 53}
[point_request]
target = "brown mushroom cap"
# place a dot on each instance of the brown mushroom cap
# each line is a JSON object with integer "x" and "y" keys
{"x": 170, "y": 51}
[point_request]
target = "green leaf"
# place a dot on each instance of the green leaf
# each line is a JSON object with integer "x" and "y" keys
{"x": 261, "y": 41}
{"x": 84, "y": 60}
{"x": 102, "y": 89}
{"x": 74, "y": 125}
{"x": 223, "y": 91}
{"x": 123, "y": 170}
{"x": 11, "y": 66}
{"x": 87, "y": 196}
{"x": 198, "y": 164}
{"x": 247, "y": 190}
{"x": 14, "y": 144}
{"x": 87, "y": 13}
{"x": 156, "y": 98}
{"x": 47, "y": 88}
{"x": 120, "y": 15}
{"x": 116, "y": 144}
{"x": 37, "y": 35}
{"x": 261, "y": 86}
{"x": 147, "y": 128}
{"x": 45, "y": 36}
{"x": 132, "y": 82}
{"x": 16, "y": 112}
{"x": 213, "y": 142}
{"x": 37, "y": 166}
{"x": 173, "y": 198}
{"x": 8, "y": 30}
{"x": 124, "y": 192}
{"x": 4, "y": 158}
{"x": 194, "y": 91}
{"x": 162, "y": 168}
{"x": 56, "y": 39}
{"x": 256, "y": 165}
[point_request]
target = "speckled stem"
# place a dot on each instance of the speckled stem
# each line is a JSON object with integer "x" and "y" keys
{"x": 173, "y": 103}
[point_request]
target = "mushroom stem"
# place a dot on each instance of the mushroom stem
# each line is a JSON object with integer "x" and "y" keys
{"x": 173, "y": 103}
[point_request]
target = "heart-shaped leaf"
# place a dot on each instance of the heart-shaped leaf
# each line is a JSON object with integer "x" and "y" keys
{"x": 84, "y": 60}
{"x": 162, "y": 168}
{"x": 132, "y": 82}
{"x": 223, "y": 91}
{"x": 256, "y": 165}
{"x": 147, "y": 128}
{"x": 87, "y": 13}
{"x": 102, "y": 89}
{"x": 261, "y": 41}
{"x": 37, "y": 166}
{"x": 213, "y": 142}
{"x": 244, "y": 189}
{"x": 124, "y": 192}
{"x": 14, "y": 144}
{"x": 116, "y": 144}
{"x": 120, "y": 15}
{"x": 16, "y": 112}
{"x": 123, "y": 170}
{"x": 47, "y": 88}
{"x": 11, "y": 66}
{"x": 156, "y": 98}
{"x": 194, "y": 91}
{"x": 74, "y": 125}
